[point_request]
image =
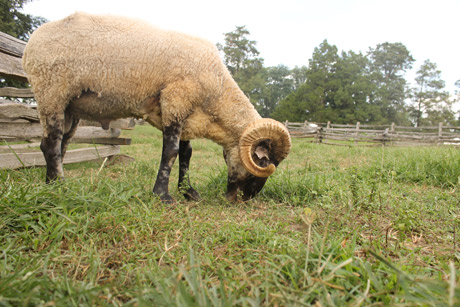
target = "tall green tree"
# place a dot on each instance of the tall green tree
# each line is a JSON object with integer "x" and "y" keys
{"x": 19, "y": 25}
{"x": 457, "y": 100}
{"x": 337, "y": 88}
{"x": 278, "y": 83}
{"x": 312, "y": 101}
{"x": 389, "y": 62}
{"x": 16, "y": 23}
{"x": 292, "y": 108}
{"x": 431, "y": 104}
{"x": 242, "y": 60}
{"x": 299, "y": 76}
{"x": 352, "y": 97}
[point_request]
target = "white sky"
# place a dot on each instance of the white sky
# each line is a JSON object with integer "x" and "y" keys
{"x": 287, "y": 31}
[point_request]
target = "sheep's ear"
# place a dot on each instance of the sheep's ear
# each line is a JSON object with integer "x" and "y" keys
{"x": 261, "y": 156}
{"x": 261, "y": 152}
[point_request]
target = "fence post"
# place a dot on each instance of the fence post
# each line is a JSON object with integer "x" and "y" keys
{"x": 392, "y": 127}
{"x": 440, "y": 134}
{"x": 385, "y": 137}
{"x": 357, "y": 131}
{"x": 319, "y": 134}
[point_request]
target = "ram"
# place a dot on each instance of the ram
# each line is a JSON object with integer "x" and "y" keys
{"x": 107, "y": 67}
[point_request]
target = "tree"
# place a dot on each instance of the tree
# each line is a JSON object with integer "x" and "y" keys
{"x": 457, "y": 100}
{"x": 352, "y": 98}
{"x": 242, "y": 60}
{"x": 336, "y": 88}
{"x": 312, "y": 100}
{"x": 299, "y": 76}
{"x": 389, "y": 62}
{"x": 15, "y": 23}
{"x": 430, "y": 103}
{"x": 278, "y": 83}
{"x": 240, "y": 53}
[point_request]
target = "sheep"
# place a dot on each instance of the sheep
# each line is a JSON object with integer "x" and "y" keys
{"x": 102, "y": 68}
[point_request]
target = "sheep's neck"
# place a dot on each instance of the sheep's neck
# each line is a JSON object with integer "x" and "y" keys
{"x": 235, "y": 111}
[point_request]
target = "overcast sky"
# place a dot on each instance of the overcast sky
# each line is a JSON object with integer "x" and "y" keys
{"x": 287, "y": 31}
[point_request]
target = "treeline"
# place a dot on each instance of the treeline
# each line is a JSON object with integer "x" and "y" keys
{"x": 17, "y": 24}
{"x": 342, "y": 87}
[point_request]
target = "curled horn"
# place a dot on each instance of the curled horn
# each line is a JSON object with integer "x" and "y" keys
{"x": 276, "y": 137}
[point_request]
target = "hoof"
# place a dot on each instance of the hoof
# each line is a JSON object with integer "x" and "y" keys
{"x": 56, "y": 179}
{"x": 167, "y": 199}
{"x": 191, "y": 194}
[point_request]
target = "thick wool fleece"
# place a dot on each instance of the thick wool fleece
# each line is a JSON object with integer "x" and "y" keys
{"x": 107, "y": 67}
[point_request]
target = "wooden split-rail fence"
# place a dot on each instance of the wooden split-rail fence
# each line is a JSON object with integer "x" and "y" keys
{"x": 20, "y": 129}
{"x": 375, "y": 135}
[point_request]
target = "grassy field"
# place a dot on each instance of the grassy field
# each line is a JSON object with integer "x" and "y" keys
{"x": 334, "y": 226}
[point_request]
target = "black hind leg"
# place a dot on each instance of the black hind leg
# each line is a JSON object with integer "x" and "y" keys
{"x": 51, "y": 146}
{"x": 185, "y": 153}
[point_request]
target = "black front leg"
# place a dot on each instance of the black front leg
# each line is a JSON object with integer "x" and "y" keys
{"x": 171, "y": 137}
{"x": 185, "y": 153}
{"x": 232, "y": 187}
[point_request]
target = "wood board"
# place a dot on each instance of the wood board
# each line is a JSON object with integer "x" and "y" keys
{"x": 15, "y": 160}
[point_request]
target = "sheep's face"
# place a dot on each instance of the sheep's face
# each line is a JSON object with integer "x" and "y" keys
{"x": 263, "y": 144}
{"x": 239, "y": 179}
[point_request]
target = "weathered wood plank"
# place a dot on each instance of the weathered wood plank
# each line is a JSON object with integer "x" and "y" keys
{"x": 417, "y": 128}
{"x": 7, "y": 148}
{"x": 13, "y": 111}
{"x": 353, "y": 131}
{"x": 16, "y": 92}
{"x": 415, "y": 133}
{"x": 341, "y": 126}
{"x": 11, "y": 67}
{"x": 20, "y": 130}
{"x": 26, "y": 131}
{"x": 349, "y": 139}
{"x": 105, "y": 141}
{"x": 3, "y": 101}
{"x": 11, "y": 45}
{"x": 413, "y": 137}
{"x": 18, "y": 160}
{"x": 451, "y": 128}
{"x": 99, "y": 141}
{"x": 351, "y": 144}
{"x": 19, "y": 120}
{"x": 351, "y": 136}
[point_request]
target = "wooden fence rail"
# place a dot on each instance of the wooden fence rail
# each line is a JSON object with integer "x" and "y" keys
{"x": 375, "y": 135}
{"x": 20, "y": 122}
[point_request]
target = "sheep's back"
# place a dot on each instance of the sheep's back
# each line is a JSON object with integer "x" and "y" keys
{"x": 119, "y": 56}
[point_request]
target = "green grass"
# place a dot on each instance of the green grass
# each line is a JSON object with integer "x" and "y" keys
{"x": 334, "y": 226}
